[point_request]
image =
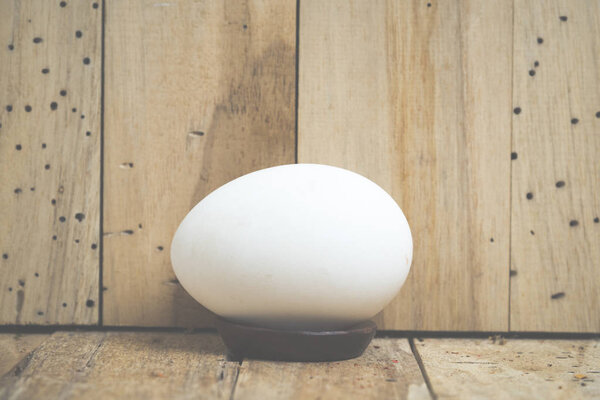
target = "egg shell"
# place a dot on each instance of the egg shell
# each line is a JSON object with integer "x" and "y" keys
{"x": 300, "y": 246}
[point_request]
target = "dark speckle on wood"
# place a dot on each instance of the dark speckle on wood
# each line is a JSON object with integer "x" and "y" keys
{"x": 37, "y": 40}
{"x": 9, "y": 108}
{"x": 529, "y": 196}
{"x": 80, "y": 217}
{"x": 532, "y": 233}
{"x": 573, "y": 222}
{"x": 5, "y": 256}
{"x": 517, "y": 110}
{"x": 63, "y": 92}
{"x": 531, "y": 72}
{"x": 560, "y": 184}
{"x": 513, "y": 155}
{"x": 564, "y": 18}
{"x": 62, "y": 219}
{"x": 540, "y": 40}
{"x": 78, "y": 34}
{"x": 27, "y": 108}
{"x": 558, "y": 295}
{"x": 196, "y": 133}
{"x": 513, "y": 272}
{"x": 95, "y": 5}
{"x": 574, "y": 121}
{"x": 160, "y": 248}
{"x": 86, "y": 60}
{"x": 53, "y": 105}
{"x": 45, "y": 70}
{"x": 94, "y": 246}
{"x": 18, "y": 147}
{"x": 90, "y": 303}
{"x": 597, "y": 220}
{"x": 18, "y": 190}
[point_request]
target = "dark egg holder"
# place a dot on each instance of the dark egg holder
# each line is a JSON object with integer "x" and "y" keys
{"x": 245, "y": 341}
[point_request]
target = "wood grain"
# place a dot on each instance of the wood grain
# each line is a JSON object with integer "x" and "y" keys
{"x": 125, "y": 365}
{"x": 49, "y": 166}
{"x": 418, "y": 99}
{"x": 512, "y": 369}
{"x": 387, "y": 370}
{"x": 15, "y": 347}
{"x": 197, "y": 94}
{"x": 556, "y": 178}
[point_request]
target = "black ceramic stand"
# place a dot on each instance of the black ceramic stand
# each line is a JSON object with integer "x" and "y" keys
{"x": 245, "y": 341}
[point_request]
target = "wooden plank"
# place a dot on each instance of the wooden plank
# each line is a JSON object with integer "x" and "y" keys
{"x": 556, "y": 179}
{"x": 127, "y": 365}
{"x": 15, "y": 347}
{"x": 417, "y": 99}
{"x": 197, "y": 94}
{"x": 387, "y": 370}
{"x": 52, "y": 367}
{"x": 49, "y": 167}
{"x": 512, "y": 369}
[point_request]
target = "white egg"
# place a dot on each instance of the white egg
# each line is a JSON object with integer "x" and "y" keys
{"x": 301, "y": 246}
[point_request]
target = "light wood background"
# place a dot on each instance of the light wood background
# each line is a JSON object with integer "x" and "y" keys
{"x": 482, "y": 119}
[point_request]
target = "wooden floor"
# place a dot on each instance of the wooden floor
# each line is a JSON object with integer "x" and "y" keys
{"x": 157, "y": 365}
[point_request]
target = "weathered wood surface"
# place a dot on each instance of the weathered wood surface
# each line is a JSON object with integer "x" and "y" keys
{"x": 124, "y": 365}
{"x": 387, "y": 370}
{"x": 512, "y": 369}
{"x": 158, "y": 365}
{"x": 555, "y": 254}
{"x": 197, "y": 94}
{"x": 15, "y": 347}
{"x": 417, "y": 98}
{"x": 50, "y": 84}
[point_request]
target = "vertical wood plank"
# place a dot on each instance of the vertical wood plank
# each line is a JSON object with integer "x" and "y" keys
{"x": 556, "y": 175}
{"x": 50, "y": 80}
{"x": 197, "y": 94}
{"x": 418, "y": 99}
{"x": 387, "y": 370}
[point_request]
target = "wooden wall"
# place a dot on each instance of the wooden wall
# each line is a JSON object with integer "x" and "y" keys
{"x": 482, "y": 119}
